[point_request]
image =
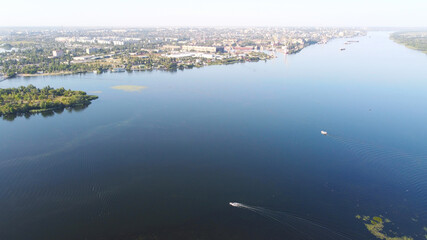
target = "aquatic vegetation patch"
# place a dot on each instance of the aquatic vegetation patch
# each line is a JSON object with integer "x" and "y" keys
{"x": 375, "y": 226}
{"x": 129, "y": 88}
{"x": 377, "y": 219}
{"x": 95, "y": 92}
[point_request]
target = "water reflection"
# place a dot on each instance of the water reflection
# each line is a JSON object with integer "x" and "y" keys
{"x": 46, "y": 114}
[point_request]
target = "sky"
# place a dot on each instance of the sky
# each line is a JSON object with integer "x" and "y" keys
{"x": 143, "y": 13}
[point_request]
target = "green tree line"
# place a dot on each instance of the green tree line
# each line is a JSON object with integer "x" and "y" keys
{"x": 31, "y": 99}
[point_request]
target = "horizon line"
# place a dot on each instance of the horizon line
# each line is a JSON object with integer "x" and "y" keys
{"x": 208, "y": 26}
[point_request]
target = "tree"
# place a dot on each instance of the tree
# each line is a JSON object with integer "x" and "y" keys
{"x": 10, "y": 73}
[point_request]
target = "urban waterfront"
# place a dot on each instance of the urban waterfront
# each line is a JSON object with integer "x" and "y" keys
{"x": 164, "y": 160}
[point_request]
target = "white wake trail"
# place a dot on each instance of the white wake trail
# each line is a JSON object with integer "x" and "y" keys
{"x": 290, "y": 220}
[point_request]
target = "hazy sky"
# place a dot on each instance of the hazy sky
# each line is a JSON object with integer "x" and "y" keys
{"x": 399, "y": 13}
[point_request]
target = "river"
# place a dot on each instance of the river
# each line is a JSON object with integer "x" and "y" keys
{"x": 164, "y": 162}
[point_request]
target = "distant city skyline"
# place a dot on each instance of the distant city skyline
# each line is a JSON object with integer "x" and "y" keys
{"x": 133, "y": 13}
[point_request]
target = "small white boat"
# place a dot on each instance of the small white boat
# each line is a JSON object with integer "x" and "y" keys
{"x": 324, "y": 133}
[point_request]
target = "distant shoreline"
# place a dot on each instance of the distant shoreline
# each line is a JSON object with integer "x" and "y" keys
{"x": 134, "y": 70}
{"x": 44, "y": 74}
{"x": 412, "y": 40}
{"x": 266, "y": 58}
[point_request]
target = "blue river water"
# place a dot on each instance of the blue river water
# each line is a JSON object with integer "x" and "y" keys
{"x": 164, "y": 162}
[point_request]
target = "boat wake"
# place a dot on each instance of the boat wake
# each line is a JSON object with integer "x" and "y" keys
{"x": 301, "y": 228}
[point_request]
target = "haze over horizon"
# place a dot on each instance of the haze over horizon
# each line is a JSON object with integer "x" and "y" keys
{"x": 132, "y": 13}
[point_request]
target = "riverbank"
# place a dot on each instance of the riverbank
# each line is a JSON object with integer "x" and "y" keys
{"x": 157, "y": 62}
{"x": 413, "y": 40}
{"x": 44, "y": 74}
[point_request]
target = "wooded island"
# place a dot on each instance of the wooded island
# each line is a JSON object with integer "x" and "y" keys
{"x": 32, "y": 100}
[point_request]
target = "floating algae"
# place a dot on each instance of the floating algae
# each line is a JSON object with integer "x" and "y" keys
{"x": 376, "y": 227}
{"x": 377, "y": 219}
{"x": 129, "y": 88}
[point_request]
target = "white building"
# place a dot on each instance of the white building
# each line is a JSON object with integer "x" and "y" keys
{"x": 101, "y": 41}
{"x": 181, "y": 55}
{"x": 202, "y": 49}
{"x": 58, "y": 53}
{"x": 82, "y": 58}
{"x": 205, "y": 55}
{"x": 91, "y": 50}
{"x": 118, "y": 43}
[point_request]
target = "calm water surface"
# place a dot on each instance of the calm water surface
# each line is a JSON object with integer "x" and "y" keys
{"x": 163, "y": 163}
